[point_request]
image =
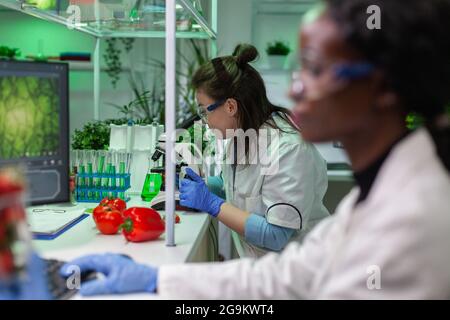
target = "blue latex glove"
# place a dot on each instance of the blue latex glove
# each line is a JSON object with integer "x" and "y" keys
{"x": 195, "y": 194}
{"x": 122, "y": 275}
{"x": 33, "y": 285}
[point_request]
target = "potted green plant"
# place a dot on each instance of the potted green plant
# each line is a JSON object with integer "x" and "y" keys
{"x": 9, "y": 53}
{"x": 277, "y": 52}
{"x": 95, "y": 135}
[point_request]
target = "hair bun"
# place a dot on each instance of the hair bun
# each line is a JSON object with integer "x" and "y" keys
{"x": 245, "y": 53}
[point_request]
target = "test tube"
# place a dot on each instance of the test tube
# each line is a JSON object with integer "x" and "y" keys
{"x": 74, "y": 161}
{"x": 129, "y": 157}
{"x": 112, "y": 179}
{"x": 82, "y": 171}
{"x": 73, "y": 175}
{"x": 129, "y": 160}
{"x": 101, "y": 157}
{"x": 96, "y": 179}
{"x": 107, "y": 172}
{"x": 122, "y": 167}
{"x": 90, "y": 163}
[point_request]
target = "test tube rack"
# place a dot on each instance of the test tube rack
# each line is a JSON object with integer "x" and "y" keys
{"x": 116, "y": 186}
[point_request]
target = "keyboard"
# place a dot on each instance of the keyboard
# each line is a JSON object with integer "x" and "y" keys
{"x": 58, "y": 284}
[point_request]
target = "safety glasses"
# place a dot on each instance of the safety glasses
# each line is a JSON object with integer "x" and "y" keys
{"x": 316, "y": 85}
{"x": 203, "y": 112}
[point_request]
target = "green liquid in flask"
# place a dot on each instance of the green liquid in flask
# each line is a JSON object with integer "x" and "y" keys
{"x": 152, "y": 185}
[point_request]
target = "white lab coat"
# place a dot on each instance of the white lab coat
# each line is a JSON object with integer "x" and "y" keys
{"x": 287, "y": 187}
{"x": 402, "y": 231}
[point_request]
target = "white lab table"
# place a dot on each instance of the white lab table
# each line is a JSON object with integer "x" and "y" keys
{"x": 191, "y": 237}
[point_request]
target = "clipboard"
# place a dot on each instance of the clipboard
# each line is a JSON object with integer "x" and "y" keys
{"x": 57, "y": 234}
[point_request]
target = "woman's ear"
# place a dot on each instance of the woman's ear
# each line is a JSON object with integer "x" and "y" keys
{"x": 387, "y": 100}
{"x": 384, "y": 98}
{"x": 231, "y": 107}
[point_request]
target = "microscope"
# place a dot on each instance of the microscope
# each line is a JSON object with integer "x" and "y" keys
{"x": 183, "y": 153}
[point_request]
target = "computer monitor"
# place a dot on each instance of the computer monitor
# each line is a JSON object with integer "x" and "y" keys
{"x": 34, "y": 126}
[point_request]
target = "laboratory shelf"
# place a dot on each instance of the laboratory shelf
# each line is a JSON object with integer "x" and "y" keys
{"x": 120, "y": 18}
{"x": 281, "y": 8}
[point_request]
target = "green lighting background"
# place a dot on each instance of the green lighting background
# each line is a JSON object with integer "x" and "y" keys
{"x": 29, "y": 117}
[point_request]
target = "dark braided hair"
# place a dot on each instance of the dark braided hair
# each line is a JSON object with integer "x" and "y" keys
{"x": 412, "y": 48}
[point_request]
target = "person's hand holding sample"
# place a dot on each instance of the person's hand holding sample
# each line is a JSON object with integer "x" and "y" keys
{"x": 195, "y": 194}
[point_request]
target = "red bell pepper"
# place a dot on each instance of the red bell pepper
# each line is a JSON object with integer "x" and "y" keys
{"x": 117, "y": 203}
{"x": 142, "y": 224}
{"x": 107, "y": 219}
{"x": 120, "y": 204}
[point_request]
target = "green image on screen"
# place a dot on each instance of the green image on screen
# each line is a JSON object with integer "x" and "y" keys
{"x": 29, "y": 116}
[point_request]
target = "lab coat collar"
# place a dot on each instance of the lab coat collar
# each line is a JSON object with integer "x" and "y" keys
{"x": 404, "y": 161}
